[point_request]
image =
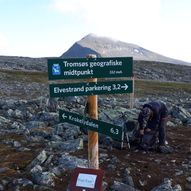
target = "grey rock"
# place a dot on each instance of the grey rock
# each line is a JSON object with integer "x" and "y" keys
{"x": 72, "y": 99}
{"x": 16, "y": 144}
{"x": 49, "y": 160}
{"x": 36, "y": 169}
{"x": 3, "y": 120}
{"x": 68, "y": 146}
{"x": 50, "y": 118}
{"x": 128, "y": 178}
{"x": 23, "y": 149}
{"x": 1, "y": 187}
{"x": 5, "y": 182}
{"x": 104, "y": 185}
{"x": 67, "y": 131}
{"x": 177, "y": 188}
{"x": 42, "y": 188}
{"x": 58, "y": 170}
{"x": 119, "y": 186}
{"x": 23, "y": 182}
{"x": 70, "y": 162}
{"x": 114, "y": 160}
{"x": 40, "y": 159}
{"x": 17, "y": 125}
{"x": 52, "y": 104}
{"x": 167, "y": 185}
{"x": 45, "y": 179}
{"x": 56, "y": 138}
{"x": 171, "y": 124}
{"x": 36, "y": 139}
{"x": 189, "y": 121}
{"x": 35, "y": 124}
{"x": 10, "y": 113}
{"x": 181, "y": 113}
{"x": 18, "y": 114}
{"x": 7, "y": 104}
{"x": 3, "y": 169}
{"x": 103, "y": 156}
{"x": 143, "y": 183}
{"x": 111, "y": 167}
{"x": 189, "y": 179}
{"x": 179, "y": 172}
{"x": 41, "y": 133}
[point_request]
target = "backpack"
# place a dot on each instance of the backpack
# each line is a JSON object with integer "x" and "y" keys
{"x": 148, "y": 141}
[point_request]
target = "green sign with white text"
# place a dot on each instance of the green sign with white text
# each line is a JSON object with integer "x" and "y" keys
{"x": 91, "y": 88}
{"x": 79, "y": 68}
{"x": 113, "y": 131}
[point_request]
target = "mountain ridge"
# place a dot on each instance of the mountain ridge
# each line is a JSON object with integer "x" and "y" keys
{"x": 143, "y": 69}
{"x": 107, "y": 47}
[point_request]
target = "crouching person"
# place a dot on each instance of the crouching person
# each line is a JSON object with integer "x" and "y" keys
{"x": 152, "y": 125}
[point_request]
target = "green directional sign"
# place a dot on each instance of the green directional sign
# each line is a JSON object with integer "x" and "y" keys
{"x": 78, "y": 68}
{"x": 113, "y": 131}
{"x": 91, "y": 88}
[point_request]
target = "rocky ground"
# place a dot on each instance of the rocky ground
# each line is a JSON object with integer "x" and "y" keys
{"x": 39, "y": 153}
{"x": 142, "y": 69}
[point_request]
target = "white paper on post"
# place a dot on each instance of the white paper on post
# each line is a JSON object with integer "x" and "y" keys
{"x": 86, "y": 180}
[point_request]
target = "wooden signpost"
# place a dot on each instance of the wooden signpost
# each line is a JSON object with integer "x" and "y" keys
{"x": 91, "y": 68}
{"x": 93, "y": 139}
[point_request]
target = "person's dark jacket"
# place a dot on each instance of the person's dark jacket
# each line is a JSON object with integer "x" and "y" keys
{"x": 160, "y": 112}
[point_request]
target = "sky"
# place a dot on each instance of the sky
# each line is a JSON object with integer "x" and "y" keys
{"x": 41, "y": 28}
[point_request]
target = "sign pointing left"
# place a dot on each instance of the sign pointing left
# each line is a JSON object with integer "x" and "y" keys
{"x": 64, "y": 116}
{"x": 113, "y": 131}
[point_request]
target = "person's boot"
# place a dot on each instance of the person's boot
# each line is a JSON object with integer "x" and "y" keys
{"x": 165, "y": 149}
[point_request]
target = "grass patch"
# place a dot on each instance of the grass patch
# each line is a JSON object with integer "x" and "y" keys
{"x": 143, "y": 88}
{"x": 13, "y": 75}
{"x": 146, "y": 87}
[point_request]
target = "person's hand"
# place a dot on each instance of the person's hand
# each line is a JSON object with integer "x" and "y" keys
{"x": 141, "y": 131}
{"x": 147, "y": 130}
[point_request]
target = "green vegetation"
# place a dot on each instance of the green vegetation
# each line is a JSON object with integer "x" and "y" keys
{"x": 146, "y": 87}
{"x": 142, "y": 87}
{"x": 17, "y": 75}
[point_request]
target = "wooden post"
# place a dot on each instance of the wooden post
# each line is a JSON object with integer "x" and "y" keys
{"x": 92, "y": 136}
{"x": 131, "y": 105}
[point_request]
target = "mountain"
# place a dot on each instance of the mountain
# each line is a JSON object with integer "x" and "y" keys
{"x": 147, "y": 64}
{"x": 106, "y": 47}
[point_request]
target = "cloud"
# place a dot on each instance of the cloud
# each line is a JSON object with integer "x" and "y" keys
{"x": 117, "y": 18}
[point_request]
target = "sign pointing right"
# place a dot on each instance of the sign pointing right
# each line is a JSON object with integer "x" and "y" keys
{"x": 92, "y": 88}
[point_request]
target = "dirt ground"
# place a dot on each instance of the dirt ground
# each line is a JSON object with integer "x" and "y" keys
{"x": 145, "y": 170}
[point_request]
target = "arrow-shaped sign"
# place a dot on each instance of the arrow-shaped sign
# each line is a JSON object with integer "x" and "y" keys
{"x": 125, "y": 86}
{"x": 115, "y": 132}
{"x": 64, "y": 116}
{"x": 92, "y": 88}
